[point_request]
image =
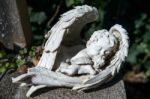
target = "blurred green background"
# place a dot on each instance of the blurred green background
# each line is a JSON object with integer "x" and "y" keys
{"x": 134, "y": 15}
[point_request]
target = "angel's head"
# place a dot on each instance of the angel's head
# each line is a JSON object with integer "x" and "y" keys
{"x": 101, "y": 43}
{"x": 100, "y": 46}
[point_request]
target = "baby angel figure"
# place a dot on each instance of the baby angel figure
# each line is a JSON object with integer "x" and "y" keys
{"x": 93, "y": 58}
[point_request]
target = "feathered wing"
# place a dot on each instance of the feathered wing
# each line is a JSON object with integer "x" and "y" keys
{"x": 114, "y": 67}
{"x": 121, "y": 34}
{"x": 67, "y": 28}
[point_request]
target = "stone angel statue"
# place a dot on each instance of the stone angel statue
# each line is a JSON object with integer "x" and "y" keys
{"x": 68, "y": 62}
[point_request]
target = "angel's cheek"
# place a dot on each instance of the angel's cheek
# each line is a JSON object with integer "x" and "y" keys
{"x": 93, "y": 51}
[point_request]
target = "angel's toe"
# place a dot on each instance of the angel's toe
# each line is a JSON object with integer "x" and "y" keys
{"x": 33, "y": 89}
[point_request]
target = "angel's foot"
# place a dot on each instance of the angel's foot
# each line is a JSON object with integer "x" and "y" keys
{"x": 68, "y": 69}
{"x": 86, "y": 69}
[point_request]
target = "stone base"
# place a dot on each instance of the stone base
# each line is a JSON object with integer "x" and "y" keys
{"x": 113, "y": 90}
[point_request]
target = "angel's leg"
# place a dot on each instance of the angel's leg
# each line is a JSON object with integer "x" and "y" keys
{"x": 76, "y": 69}
{"x": 68, "y": 69}
{"x": 86, "y": 69}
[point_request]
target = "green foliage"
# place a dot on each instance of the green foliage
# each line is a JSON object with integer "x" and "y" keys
{"x": 12, "y": 60}
{"x": 32, "y": 51}
{"x": 37, "y": 19}
{"x": 2, "y": 53}
{"x": 139, "y": 53}
{"x": 23, "y": 51}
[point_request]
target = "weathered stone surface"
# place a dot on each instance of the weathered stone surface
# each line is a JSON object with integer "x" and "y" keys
{"x": 113, "y": 90}
{"x": 14, "y": 24}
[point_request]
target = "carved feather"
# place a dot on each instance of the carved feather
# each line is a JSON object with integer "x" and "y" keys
{"x": 67, "y": 29}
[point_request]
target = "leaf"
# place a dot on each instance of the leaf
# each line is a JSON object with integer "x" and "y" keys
{"x": 32, "y": 53}
{"x": 23, "y": 51}
{"x": 148, "y": 73}
{"x": 12, "y": 65}
{"x": 38, "y": 17}
{"x": 132, "y": 56}
{"x": 70, "y": 2}
{"x": 2, "y": 53}
{"x": 20, "y": 62}
{"x": 146, "y": 37}
{"x": 2, "y": 69}
{"x": 140, "y": 22}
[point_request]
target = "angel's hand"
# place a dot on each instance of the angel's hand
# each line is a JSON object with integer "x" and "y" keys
{"x": 98, "y": 62}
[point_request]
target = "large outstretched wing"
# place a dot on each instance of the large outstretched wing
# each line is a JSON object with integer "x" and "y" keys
{"x": 67, "y": 28}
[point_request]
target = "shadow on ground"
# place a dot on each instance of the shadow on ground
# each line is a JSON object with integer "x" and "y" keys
{"x": 137, "y": 90}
